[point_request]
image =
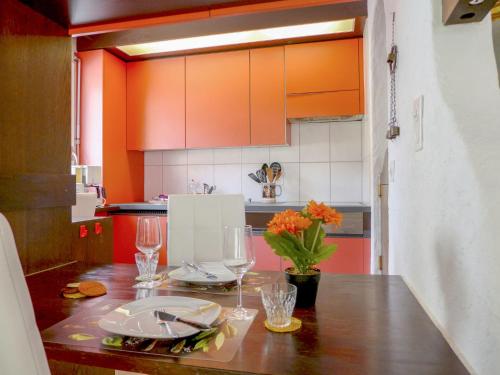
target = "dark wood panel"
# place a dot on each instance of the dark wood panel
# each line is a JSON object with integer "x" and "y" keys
{"x": 95, "y": 248}
{"x": 80, "y": 12}
{"x": 36, "y": 191}
{"x": 361, "y": 324}
{"x": 35, "y": 73}
{"x": 238, "y": 22}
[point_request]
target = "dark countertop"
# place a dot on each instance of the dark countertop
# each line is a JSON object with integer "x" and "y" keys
{"x": 249, "y": 207}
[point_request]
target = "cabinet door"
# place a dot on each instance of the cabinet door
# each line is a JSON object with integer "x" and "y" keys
{"x": 267, "y": 94}
{"x": 156, "y": 104}
{"x": 218, "y": 100}
{"x": 349, "y": 257}
{"x": 322, "y": 66}
{"x": 339, "y": 103}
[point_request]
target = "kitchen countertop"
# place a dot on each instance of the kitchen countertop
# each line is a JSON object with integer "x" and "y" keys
{"x": 249, "y": 206}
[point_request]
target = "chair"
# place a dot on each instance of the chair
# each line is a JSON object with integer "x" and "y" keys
{"x": 196, "y": 224}
{"x": 21, "y": 348}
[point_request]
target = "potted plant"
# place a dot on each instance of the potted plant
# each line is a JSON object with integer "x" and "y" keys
{"x": 299, "y": 237}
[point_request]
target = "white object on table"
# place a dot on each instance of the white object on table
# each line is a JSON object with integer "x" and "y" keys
{"x": 21, "y": 348}
{"x": 137, "y": 318}
{"x": 196, "y": 225}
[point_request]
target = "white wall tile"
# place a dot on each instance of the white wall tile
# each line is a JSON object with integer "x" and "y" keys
{"x": 250, "y": 188}
{"x": 290, "y": 182}
{"x": 175, "y": 179}
{"x": 153, "y": 181}
{"x": 287, "y": 154}
{"x": 227, "y": 156}
{"x": 201, "y": 174}
{"x": 152, "y": 158}
{"x": 175, "y": 157}
{"x": 314, "y": 143}
{"x": 315, "y": 181}
{"x": 345, "y": 140}
{"x": 346, "y": 181}
{"x": 200, "y": 156}
{"x": 227, "y": 178}
{"x": 259, "y": 155}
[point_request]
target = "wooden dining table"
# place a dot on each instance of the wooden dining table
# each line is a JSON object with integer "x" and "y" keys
{"x": 361, "y": 324}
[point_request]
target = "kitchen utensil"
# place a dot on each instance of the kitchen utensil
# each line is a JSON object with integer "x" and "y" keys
{"x": 270, "y": 175}
{"x": 137, "y": 318}
{"x": 254, "y": 177}
{"x": 199, "y": 269}
{"x": 276, "y": 167}
{"x": 278, "y": 176}
{"x": 167, "y": 317}
{"x": 264, "y": 169}
{"x": 187, "y": 275}
{"x": 205, "y": 188}
{"x": 261, "y": 175}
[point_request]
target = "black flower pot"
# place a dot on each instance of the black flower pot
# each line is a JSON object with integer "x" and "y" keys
{"x": 307, "y": 286}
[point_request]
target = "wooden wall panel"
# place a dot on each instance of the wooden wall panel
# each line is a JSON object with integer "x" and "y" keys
{"x": 35, "y": 73}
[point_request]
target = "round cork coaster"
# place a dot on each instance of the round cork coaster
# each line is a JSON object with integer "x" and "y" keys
{"x": 295, "y": 324}
{"x": 92, "y": 288}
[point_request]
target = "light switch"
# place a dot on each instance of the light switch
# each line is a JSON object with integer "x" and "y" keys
{"x": 418, "y": 122}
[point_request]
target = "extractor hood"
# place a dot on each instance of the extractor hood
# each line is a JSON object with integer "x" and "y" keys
{"x": 323, "y": 119}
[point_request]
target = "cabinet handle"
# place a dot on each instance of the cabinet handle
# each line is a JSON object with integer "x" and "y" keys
{"x": 98, "y": 228}
{"x": 83, "y": 231}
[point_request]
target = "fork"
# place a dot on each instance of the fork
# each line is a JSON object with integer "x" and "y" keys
{"x": 196, "y": 267}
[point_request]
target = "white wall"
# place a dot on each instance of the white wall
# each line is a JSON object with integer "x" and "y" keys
{"x": 445, "y": 200}
{"x": 324, "y": 162}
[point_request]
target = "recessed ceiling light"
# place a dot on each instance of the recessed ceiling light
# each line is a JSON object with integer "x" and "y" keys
{"x": 241, "y": 37}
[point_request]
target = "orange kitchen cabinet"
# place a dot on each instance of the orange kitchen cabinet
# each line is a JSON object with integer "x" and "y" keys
{"x": 268, "y": 124}
{"x": 156, "y": 104}
{"x": 361, "y": 76}
{"x": 218, "y": 100}
{"x": 322, "y": 66}
{"x": 103, "y": 126}
{"x": 337, "y": 103}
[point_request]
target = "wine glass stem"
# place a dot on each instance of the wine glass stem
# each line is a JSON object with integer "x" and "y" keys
{"x": 149, "y": 257}
{"x": 239, "y": 305}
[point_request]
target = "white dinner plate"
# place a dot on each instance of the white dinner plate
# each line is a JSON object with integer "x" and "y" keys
{"x": 137, "y": 318}
{"x": 224, "y": 276}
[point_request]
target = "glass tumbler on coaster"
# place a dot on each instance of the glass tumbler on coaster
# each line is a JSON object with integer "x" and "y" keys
{"x": 279, "y": 301}
{"x": 238, "y": 257}
{"x": 148, "y": 241}
{"x": 141, "y": 260}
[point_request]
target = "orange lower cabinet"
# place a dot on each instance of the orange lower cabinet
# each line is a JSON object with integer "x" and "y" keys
{"x": 350, "y": 257}
{"x": 265, "y": 259}
{"x": 124, "y": 230}
{"x": 338, "y": 103}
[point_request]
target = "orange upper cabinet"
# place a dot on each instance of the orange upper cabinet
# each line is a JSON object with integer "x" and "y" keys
{"x": 322, "y": 66}
{"x": 268, "y": 122}
{"x": 156, "y": 104}
{"x": 218, "y": 100}
{"x": 324, "y": 79}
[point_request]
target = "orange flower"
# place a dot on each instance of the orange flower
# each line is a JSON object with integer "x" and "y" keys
{"x": 324, "y": 213}
{"x": 290, "y": 221}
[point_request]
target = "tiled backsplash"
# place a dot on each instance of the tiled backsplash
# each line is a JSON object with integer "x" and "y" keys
{"x": 324, "y": 162}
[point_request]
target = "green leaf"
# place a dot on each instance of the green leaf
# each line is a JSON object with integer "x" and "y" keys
{"x": 324, "y": 252}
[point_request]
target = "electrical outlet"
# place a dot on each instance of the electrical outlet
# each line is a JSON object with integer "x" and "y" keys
{"x": 418, "y": 122}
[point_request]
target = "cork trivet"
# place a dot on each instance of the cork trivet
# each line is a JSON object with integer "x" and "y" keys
{"x": 92, "y": 288}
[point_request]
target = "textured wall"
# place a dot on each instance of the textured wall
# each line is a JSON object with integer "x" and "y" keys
{"x": 444, "y": 201}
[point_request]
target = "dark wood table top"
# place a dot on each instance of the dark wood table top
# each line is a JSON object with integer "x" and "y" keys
{"x": 361, "y": 325}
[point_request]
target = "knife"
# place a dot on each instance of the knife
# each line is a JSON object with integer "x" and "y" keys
{"x": 165, "y": 316}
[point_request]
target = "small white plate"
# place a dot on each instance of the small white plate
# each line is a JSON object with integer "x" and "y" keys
{"x": 137, "y": 318}
{"x": 224, "y": 276}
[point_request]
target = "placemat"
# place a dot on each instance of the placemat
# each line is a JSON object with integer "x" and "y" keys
{"x": 82, "y": 330}
{"x": 252, "y": 281}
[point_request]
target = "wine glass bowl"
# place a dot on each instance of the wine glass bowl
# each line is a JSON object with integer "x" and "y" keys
{"x": 148, "y": 241}
{"x": 238, "y": 257}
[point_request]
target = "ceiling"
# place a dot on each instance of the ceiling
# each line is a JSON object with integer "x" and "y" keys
{"x": 71, "y": 13}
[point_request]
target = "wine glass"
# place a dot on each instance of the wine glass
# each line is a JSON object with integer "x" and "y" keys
{"x": 148, "y": 241}
{"x": 239, "y": 257}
